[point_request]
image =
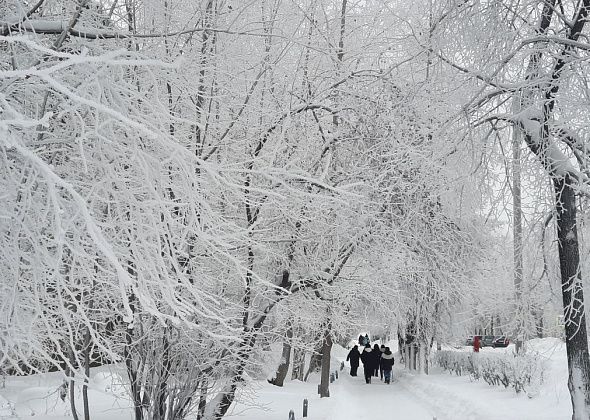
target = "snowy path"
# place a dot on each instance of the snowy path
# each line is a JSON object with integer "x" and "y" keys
{"x": 360, "y": 401}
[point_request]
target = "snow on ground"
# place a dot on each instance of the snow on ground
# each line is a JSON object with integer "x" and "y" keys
{"x": 361, "y": 401}
{"x": 453, "y": 397}
{"x": 37, "y": 397}
{"x": 350, "y": 398}
{"x": 460, "y": 397}
{"x": 439, "y": 395}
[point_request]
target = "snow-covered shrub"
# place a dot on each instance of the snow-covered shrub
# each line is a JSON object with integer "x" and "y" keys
{"x": 453, "y": 361}
{"x": 523, "y": 372}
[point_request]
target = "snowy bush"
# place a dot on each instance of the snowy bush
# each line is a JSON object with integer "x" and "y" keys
{"x": 453, "y": 361}
{"x": 523, "y": 372}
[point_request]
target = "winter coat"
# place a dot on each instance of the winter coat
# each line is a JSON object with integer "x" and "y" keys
{"x": 367, "y": 358}
{"x": 353, "y": 356}
{"x": 376, "y": 353}
{"x": 387, "y": 360}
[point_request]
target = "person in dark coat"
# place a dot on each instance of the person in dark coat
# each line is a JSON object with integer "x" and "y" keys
{"x": 353, "y": 357}
{"x": 361, "y": 340}
{"x": 368, "y": 363}
{"x": 380, "y": 367}
{"x": 376, "y": 353}
{"x": 387, "y": 362}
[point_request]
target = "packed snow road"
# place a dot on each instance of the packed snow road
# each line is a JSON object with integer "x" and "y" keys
{"x": 358, "y": 400}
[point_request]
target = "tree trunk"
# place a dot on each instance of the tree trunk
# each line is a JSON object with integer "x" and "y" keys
{"x": 573, "y": 299}
{"x": 540, "y": 324}
{"x": 86, "y": 355}
{"x": 569, "y": 258}
{"x": 517, "y": 234}
{"x": 132, "y": 373}
{"x": 298, "y": 364}
{"x": 405, "y": 359}
{"x": 423, "y": 358}
{"x": 162, "y": 392}
{"x": 425, "y": 348}
{"x": 412, "y": 356}
{"x": 227, "y": 397}
{"x": 70, "y": 372}
{"x": 202, "y": 399}
{"x": 88, "y": 348}
{"x": 326, "y": 358}
{"x": 315, "y": 363}
{"x": 407, "y": 356}
{"x": 283, "y": 368}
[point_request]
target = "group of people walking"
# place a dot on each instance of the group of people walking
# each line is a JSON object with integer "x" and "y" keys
{"x": 377, "y": 362}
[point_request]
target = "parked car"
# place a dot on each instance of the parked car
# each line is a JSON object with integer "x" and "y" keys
{"x": 488, "y": 340}
{"x": 501, "y": 342}
{"x": 470, "y": 338}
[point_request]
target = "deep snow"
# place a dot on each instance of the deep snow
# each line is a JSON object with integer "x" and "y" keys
{"x": 413, "y": 397}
